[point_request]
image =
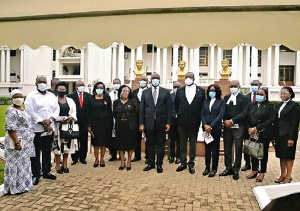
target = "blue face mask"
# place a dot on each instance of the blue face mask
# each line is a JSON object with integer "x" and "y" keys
{"x": 99, "y": 91}
{"x": 212, "y": 95}
{"x": 254, "y": 88}
{"x": 259, "y": 98}
{"x": 143, "y": 84}
{"x": 155, "y": 82}
{"x": 175, "y": 90}
{"x": 234, "y": 90}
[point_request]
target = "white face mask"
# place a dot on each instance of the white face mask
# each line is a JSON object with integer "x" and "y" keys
{"x": 116, "y": 86}
{"x": 188, "y": 81}
{"x": 18, "y": 101}
{"x": 80, "y": 89}
{"x": 42, "y": 87}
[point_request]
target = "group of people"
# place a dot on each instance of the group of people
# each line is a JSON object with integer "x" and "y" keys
{"x": 119, "y": 119}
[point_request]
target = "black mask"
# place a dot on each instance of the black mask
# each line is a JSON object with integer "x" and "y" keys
{"x": 61, "y": 94}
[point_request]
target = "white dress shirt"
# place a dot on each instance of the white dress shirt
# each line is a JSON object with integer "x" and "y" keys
{"x": 190, "y": 92}
{"x": 139, "y": 95}
{"x": 282, "y": 106}
{"x": 113, "y": 95}
{"x": 41, "y": 107}
{"x": 157, "y": 93}
{"x": 211, "y": 103}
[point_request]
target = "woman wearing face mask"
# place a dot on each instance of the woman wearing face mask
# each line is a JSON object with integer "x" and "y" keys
{"x": 261, "y": 116}
{"x": 100, "y": 121}
{"x": 67, "y": 114}
{"x": 286, "y": 133}
{"x": 18, "y": 147}
{"x": 126, "y": 114}
{"x": 213, "y": 111}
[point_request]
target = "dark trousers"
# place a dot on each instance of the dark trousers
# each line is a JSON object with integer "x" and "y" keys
{"x": 264, "y": 161}
{"x": 212, "y": 150}
{"x": 155, "y": 140}
{"x": 174, "y": 140}
{"x": 43, "y": 144}
{"x": 138, "y": 149}
{"x": 247, "y": 159}
{"x": 185, "y": 134}
{"x": 83, "y": 144}
{"x": 233, "y": 136}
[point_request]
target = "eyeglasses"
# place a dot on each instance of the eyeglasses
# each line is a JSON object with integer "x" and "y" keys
{"x": 233, "y": 86}
{"x": 260, "y": 94}
{"x": 41, "y": 76}
{"x": 283, "y": 93}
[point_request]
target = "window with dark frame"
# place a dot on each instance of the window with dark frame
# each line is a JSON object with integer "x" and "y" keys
{"x": 286, "y": 73}
{"x": 227, "y": 54}
{"x": 203, "y": 56}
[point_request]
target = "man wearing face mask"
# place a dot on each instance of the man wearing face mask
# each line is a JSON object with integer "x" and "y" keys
{"x": 53, "y": 82}
{"x": 43, "y": 108}
{"x": 114, "y": 96}
{"x": 174, "y": 136}
{"x": 155, "y": 119}
{"x": 255, "y": 85}
{"x": 81, "y": 99}
{"x": 234, "y": 128}
{"x": 188, "y": 104}
{"x": 137, "y": 94}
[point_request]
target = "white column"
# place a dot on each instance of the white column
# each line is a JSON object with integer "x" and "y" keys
{"x": 268, "y": 75}
{"x": 7, "y": 74}
{"x": 184, "y": 56}
{"x": 83, "y": 73}
{"x": 139, "y": 53}
{"x": 234, "y": 63}
{"x": 114, "y": 60}
{"x": 247, "y": 65}
{"x": 276, "y": 65}
{"x": 2, "y": 72}
{"x": 191, "y": 60}
{"x": 219, "y": 62}
{"x": 22, "y": 64}
{"x": 157, "y": 69}
{"x": 175, "y": 62}
{"x": 196, "y": 65}
{"x": 254, "y": 63}
{"x": 121, "y": 63}
{"x": 164, "y": 66}
{"x": 297, "y": 70}
{"x": 212, "y": 61}
{"x": 132, "y": 64}
{"x": 240, "y": 64}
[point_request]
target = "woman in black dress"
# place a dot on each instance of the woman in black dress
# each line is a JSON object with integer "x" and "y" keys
{"x": 100, "y": 121}
{"x": 126, "y": 112}
{"x": 261, "y": 116}
{"x": 286, "y": 128}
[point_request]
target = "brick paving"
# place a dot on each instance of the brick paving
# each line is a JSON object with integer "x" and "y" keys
{"x": 88, "y": 188}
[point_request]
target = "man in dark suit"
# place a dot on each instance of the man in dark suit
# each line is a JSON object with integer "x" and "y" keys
{"x": 137, "y": 94}
{"x": 81, "y": 99}
{"x": 234, "y": 128}
{"x": 255, "y": 85}
{"x": 188, "y": 104}
{"x": 174, "y": 135}
{"x": 155, "y": 119}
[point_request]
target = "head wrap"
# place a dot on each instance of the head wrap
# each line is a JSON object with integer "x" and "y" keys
{"x": 15, "y": 91}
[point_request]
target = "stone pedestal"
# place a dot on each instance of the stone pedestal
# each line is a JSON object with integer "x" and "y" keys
{"x": 224, "y": 85}
{"x": 135, "y": 84}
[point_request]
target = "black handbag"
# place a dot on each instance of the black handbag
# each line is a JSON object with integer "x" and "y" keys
{"x": 69, "y": 131}
{"x": 253, "y": 148}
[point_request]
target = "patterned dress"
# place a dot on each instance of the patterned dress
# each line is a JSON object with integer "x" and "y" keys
{"x": 18, "y": 177}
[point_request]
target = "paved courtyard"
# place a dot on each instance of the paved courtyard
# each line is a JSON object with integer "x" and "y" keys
{"x": 88, "y": 188}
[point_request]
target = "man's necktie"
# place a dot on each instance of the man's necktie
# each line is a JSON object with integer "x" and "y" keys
{"x": 80, "y": 99}
{"x": 154, "y": 95}
{"x": 254, "y": 97}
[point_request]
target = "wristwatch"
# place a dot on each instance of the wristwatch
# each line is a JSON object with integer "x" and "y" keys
{"x": 17, "y": 144}
{"x": 51, "y": 120}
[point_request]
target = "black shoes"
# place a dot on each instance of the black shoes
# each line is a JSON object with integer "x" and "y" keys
{"x": 160, "y": 169}
{"x": 102, "y": 164}
{"x": 236, "y": 176}
{"x": 112, "y": 159}
{"x": 226, "y": 173}
{"x": 192, "y": 170}
{"x": 122, "y": 167}
{"x": 205, "y": 172}
{"x": 83, "y": 162}
{"x": 35, "y": 180}
{"x": 279, "y": 180}
{"x": 74, "y": 162}
{"x": 49, "y": 176}
{"x": 252, "y": 176}
{"x": 181, "y": 168}
{"x": 212, "y": 174}
{"x": 171, "y": 160}
{"x": 148, "y": 168}
{"x": 177, "y": 161}
{"x": 59, "y": 171}
{"x": 246, "y": 167}
{"x": 66, "y": 170}
{"x": 96, "y": 165}
{"x": 128, "y": 168}
{"x": 136, "y": 159}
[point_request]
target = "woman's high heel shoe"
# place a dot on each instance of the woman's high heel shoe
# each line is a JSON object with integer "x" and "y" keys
{"x": 122, "y": 167}
{"x": 279, "y": 180}
{"x": 96, "y": 165}
{"x": 102, "y": 164}
{"x": 260, "y": 179}
{"x": 289, "y": 181}
{"x": 59, "y": 171}
{"x": 252, "y": 176}
{"x": 128, "y": 168}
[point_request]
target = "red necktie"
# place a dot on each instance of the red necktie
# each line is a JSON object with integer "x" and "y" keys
{"x": 80, "y": 99}
{"x": 254, "y": 97}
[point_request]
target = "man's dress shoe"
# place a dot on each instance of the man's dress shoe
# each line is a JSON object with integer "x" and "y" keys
{"x": 171, "y": 160}
{"x": 160, "y": 169}
{"x": 148, "y": 168}
{"x": 235, "y": 176}
{"x": 35, "y": 180}
{"x": 49, "y": 176}
{"x": 212, "y": 174}
{"x": 73, "y": 163}
{"x": 205, "y": 172}
{"x": 135, "y": 159}
{"x": 226, "y": 173}
{"x": 246, "y": 167}
{"x": 181, "y": 168}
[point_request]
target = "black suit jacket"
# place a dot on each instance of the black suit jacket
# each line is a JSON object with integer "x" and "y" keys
{"x": 262, "y": 118}
{"x": 135, "y": 93}
{"x": 81, "y": 112}
{"x": 214, "y": 117}
{"x": 174, "y": 114}
{"x": 160, "y": 112}
{"x": 238, "y": 112}
{"x": 189, "y": 115}
{"x": 288, "y": 122}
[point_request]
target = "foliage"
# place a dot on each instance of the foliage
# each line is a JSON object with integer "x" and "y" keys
{"x": 1, "y": 173}
{"x": 2, "y": 119}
